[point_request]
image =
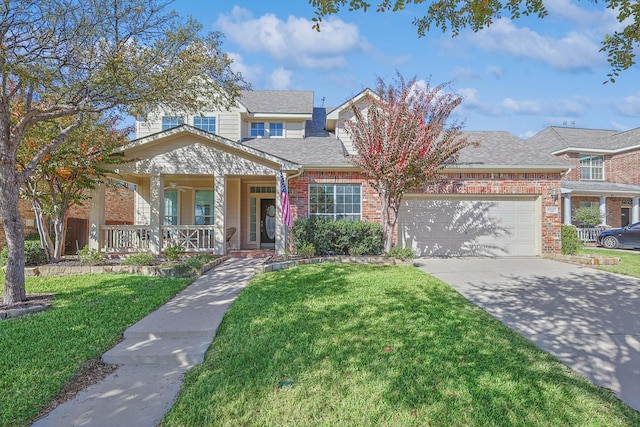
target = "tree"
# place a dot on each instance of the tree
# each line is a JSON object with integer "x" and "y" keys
{"x": 69, "y": 58}
{"x": 404, "y": 141}
{"x": 65, "y": 175}
{"x": 454, "y": 15}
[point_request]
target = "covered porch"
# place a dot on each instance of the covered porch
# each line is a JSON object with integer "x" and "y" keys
{"x": 198, "y": 191}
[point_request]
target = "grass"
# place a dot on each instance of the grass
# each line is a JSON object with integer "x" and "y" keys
{"x": 629, "y": 260}
{"x": 356, "y": 345}
{"x": 41, "y": 353}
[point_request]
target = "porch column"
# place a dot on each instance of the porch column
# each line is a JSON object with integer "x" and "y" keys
{"x": 603, "y": 209}
{"x": 566, "y": 210}
{"x": 156, "y": 202}
{"x": 219, "y": 209}
{"x": 96, "y": 216}
{"x": 635, "y": 210}
{"x": 281, "y": 229}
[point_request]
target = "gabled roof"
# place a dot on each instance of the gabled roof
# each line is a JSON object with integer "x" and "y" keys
{"x": 559, "y": 140}
{"x": 500, "y": 150}
{"x": 335, "y": 112}
{"x": 278, "y": 101}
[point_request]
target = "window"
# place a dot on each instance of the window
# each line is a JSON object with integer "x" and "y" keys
{"x": 204, "y": 207}
{"x": 591, "y": 167}
{"x": 169, "y": 122}
{"x": 207, "y": 124}
{"x": 170, "y": 207}
{"x": 335, "y": 201}
{"x": 589, "y": 204}
{"x": 276, "y": 129}
{"x": 257, "y": 129}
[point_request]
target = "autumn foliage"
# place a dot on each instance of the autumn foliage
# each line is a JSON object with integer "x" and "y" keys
{"x": 404, "y": 140}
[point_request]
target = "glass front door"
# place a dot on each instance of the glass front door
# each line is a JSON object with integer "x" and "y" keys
{"x": 267, "y": 223}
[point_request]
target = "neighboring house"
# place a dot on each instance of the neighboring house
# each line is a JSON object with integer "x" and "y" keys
{"x": 198, "y": 176}
{"x": 605, "y": 171}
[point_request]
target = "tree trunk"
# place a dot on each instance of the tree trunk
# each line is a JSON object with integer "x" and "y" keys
{"x": 14, "y": 290}
{"x": 43, "y": 230}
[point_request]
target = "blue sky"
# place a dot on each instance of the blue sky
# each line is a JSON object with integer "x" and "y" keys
{"x": 519, "y": 76}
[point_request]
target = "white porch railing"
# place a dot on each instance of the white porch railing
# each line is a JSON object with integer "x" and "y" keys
{"x": 136, "y": 238}
{"x": 125, "y": 238}
{"x": 588, "y": 234}
{"x": 192, "y": 238}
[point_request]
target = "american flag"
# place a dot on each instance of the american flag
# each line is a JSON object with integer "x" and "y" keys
{"x": 286, "y": 208}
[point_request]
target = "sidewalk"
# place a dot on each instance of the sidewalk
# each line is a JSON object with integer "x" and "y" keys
{"x": 155, "y": 354}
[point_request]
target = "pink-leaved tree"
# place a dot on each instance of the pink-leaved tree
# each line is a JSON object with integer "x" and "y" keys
{"x": 404, "y": 139}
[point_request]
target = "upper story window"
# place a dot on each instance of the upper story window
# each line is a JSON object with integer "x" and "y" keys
{"x": 169, "y": 122}
{"x": 335, "y": 201}
{"x": 276, "y": 129}
{"x": 207, "y": 124}
{"x": 257, "y": 129}
{"x": 591, "y": 167}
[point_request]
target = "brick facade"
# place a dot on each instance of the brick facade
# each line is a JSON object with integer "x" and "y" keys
{"x": 482, "y": 184}
{"x": 119, "y": 210}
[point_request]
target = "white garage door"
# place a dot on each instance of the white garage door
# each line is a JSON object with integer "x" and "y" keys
{"x": 463, "y": 226}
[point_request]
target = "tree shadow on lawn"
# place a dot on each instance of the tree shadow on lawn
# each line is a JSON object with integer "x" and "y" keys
{"x": 403, "y": 348}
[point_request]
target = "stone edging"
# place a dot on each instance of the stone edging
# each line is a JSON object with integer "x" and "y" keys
{"x": 594, "y": 260}
{"x": 147, "y": 270}
{"x": 377, "y": 260}
{"x": 15, "y": 312}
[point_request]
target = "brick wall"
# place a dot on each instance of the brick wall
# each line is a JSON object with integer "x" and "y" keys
{"x": 620, "y": 168}
{"x": 538, "y": 184}
{"x": 119, "y": 210}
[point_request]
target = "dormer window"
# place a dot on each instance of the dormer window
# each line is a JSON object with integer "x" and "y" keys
{"x": 276, "y": 129}
{"x": 257, "y": 129}
{"x": 591, "y": 167}
{"x": 169, "y": 122}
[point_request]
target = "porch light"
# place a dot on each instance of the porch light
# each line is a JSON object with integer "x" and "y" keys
{"x": 554, "y": 195}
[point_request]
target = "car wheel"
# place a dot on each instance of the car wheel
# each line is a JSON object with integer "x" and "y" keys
{"x": 610, "y": 242}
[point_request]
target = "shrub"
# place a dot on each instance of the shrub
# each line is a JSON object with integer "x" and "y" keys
{"x": 306, "y": 250}
{"x": 32, "y": 236}
{"x": 189, "y": 267}
{"x": 33, "y": 254}
{"x": 338, "y": 237}
{"x": 91, "y": 256}
{"x": 570, "y": 241}
{"x": 587, "y": 216}
{"x": 173, "y": 252}
{"x": 401, "y": 253}
{"x": 140, "y": 258}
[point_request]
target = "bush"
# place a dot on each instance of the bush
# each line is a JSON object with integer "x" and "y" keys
{"x": 338, "y": 237}
{"x": 401, "y": 253}
{"x": 91, "y": 256}
{"x": 587, "y": 216}
{"x": 33, "y": 254}
{"x": 189, "y": 267}
{"x": 306, "y": 250}
{"x": 33, "y": 236}
{"x": 570, "y": 241}
{"x": 172, "y": 253}
{"x": 140, "y": 258}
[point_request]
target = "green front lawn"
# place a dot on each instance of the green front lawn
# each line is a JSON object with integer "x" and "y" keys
{"x": 355, "y": 345}
{"x": 629, "y": 260}
{"x": 41, "y": 353}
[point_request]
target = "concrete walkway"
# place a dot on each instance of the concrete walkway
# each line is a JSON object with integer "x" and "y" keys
{"x": 155, "y": 354}
{"x": 587, "y": 318}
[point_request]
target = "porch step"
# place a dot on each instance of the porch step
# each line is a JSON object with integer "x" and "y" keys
{"x": 252, "y": 253}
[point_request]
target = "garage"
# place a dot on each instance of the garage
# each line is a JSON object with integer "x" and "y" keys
{"x": 470, "y": 225}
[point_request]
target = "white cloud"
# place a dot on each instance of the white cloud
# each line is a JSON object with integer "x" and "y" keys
{"x": 280, "y": 79}
{"x": 292, "y": 42}
{"x": 571, "y": 52}
{"x": 521, "y": 107}
{"x": 471, "y": 102}
{"x": 629, "y": 106}
{"x": 619, "y": 126}
{"x": 465, "y": 74}
{"x": 251, "y": 74}
{"x": 495, "y": 71}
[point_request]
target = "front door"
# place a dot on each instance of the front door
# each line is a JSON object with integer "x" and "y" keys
{"x": 267, "y": 223}
{"x": 625, "y": 217}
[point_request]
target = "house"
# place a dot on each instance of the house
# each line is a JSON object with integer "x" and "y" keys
{"x": 198, "y": 176}
{"x": 605, "y": 171}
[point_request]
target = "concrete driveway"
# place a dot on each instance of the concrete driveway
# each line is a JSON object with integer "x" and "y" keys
{"x": 587, "y": 318}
